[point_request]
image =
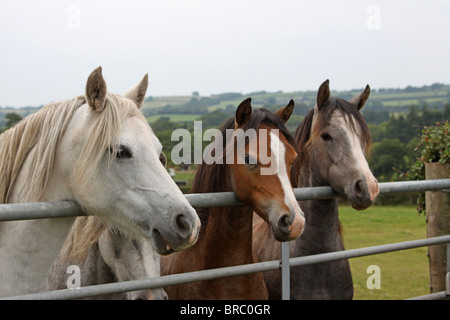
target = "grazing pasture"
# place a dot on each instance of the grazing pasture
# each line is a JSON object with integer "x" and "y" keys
{"x": 404, "y": 274}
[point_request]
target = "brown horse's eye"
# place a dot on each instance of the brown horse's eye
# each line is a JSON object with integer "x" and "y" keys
{"x": 250, "y": 161}
{"x": 163, "y": 159}
{"x": 326, "y": 137}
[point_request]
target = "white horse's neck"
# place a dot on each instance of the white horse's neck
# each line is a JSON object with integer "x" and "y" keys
{"x": 26, "y": 268}
{"x": 29, "y": 247}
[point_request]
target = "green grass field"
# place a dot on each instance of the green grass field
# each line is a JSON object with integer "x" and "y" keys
{"x": 404, "y": 274}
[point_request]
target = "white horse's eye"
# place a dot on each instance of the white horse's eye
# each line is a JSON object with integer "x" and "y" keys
{"x": 121, "y": 152}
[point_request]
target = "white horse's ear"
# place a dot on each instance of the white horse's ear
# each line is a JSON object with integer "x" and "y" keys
{"x": 243, "y": 113}
{"x": 361, "y": 99}
{"x": 286, "y": 112}
{"x": 137, "y": 93}
{"x": 323, "y": 95}
{"x": 96, "y": 90}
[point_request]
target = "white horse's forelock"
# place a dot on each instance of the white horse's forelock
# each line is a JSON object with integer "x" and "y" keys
{"x": 105, "y": 134}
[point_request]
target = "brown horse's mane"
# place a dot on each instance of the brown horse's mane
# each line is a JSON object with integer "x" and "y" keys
{"x": 304, "y": 134}
{"x": 215, "y": 177}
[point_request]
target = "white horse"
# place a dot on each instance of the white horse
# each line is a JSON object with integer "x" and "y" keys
{"x": 99, "y": 151}
{"x": 113, "y": 257}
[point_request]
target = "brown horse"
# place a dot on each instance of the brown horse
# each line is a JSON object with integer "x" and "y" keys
{"x": 226, "y": 235}
{"x": 331, "y": 143}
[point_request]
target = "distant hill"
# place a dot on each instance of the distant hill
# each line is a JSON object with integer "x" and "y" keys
{"x": 388, "y": 99}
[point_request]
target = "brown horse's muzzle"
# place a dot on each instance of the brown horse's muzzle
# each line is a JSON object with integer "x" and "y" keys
{"x": 288, "y": 226}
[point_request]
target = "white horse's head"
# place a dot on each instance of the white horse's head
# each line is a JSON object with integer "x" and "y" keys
{"x": 116, "y": 169}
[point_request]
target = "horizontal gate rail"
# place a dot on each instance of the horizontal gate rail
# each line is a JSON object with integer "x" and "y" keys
{"x": 39, "y": 210}
{"x": 151, "y": 283}
{"x": 43, "y": 210}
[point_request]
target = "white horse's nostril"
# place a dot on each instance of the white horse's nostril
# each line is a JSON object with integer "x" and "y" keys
{"x": 182, "y": 226}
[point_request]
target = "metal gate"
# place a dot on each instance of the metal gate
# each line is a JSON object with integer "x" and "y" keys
{"x": 42, "y": 210}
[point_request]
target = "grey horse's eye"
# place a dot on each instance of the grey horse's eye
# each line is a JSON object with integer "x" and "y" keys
{"x": 326, "y": 137}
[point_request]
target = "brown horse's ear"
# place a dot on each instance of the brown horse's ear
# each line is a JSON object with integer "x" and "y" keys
{"x": 323, "y": 95}
{"x": 137, "y": 93}
{"x": 96, "y": 90}
{"x": 361, "y": 99}
{"x": 286, "y": 112}
{"x": 243, "y": 113}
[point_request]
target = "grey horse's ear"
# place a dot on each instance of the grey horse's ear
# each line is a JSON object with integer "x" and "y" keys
{"x": 323, "y": 95}
{"x": 96, "y": 90}
{"x": 243, "y": 113}
{"x": 361, "y": 99}
{"x": 137, "y": 93}
{"x": 286, "y": 112}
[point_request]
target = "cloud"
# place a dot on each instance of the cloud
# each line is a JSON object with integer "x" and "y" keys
{"x": 48, "y": 48}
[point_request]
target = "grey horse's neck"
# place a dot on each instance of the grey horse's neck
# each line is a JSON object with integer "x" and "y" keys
{"x": 321, "y": 233}
{"x": 331, "y": 280}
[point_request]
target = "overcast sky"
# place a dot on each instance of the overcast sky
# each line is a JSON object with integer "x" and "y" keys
{"x": 48, "y": 48}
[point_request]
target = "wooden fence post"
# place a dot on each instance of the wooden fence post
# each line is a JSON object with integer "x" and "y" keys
{"x": 438, "y": 223}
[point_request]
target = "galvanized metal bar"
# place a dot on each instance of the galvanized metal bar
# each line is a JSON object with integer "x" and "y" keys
{"x": 285, "y": 272}
{"x": 361, "y": 252}
{"x": 43, "y": 210}
{"x": 432, "y": 296}
{"x": 447, "y": 275}
{"x": 413, "y": 186}
{"x": 216, "y": 199}
{"x": 39, "y": 210}
{"x": 86, "y": 292}
{"x": 150, "y": 283}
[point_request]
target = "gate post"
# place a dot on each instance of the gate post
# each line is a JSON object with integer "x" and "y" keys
{"x": 438, "y": 224}
{"x": 285, "y": 271}
{"x": 447, "y": 277}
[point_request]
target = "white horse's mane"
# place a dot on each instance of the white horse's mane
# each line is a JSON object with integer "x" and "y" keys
{"x": 43, "y": 131}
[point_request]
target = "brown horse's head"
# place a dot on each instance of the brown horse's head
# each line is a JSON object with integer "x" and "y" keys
{"x": 333, "y": 140}
{"x": 257, "y": 152}
{"x": 263, "y": 154}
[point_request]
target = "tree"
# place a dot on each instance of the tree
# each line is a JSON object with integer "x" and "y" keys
{"x": 11, "y": 119}
{"x": 385, "y": 156}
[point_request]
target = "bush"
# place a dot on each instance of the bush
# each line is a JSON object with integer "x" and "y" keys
{"x": 434, "y": 146}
